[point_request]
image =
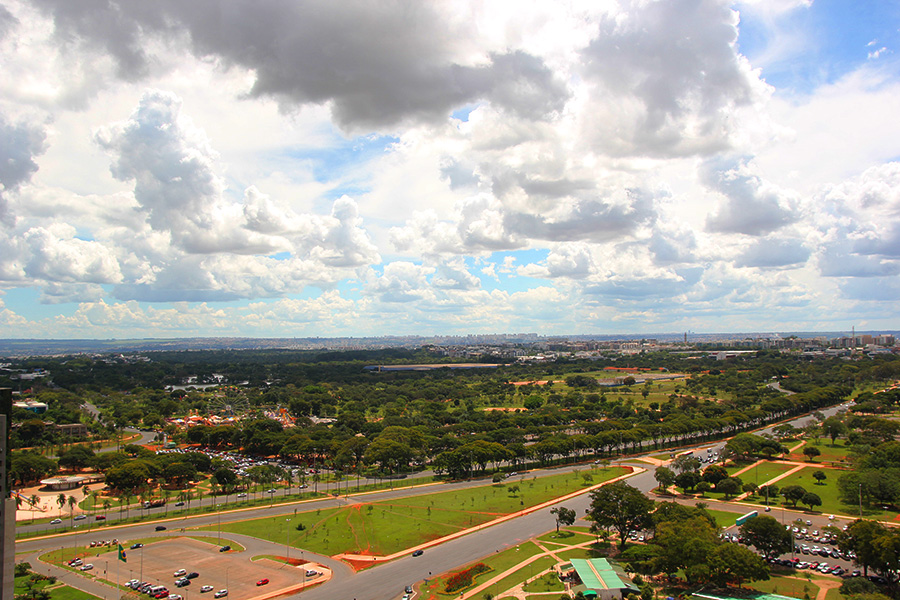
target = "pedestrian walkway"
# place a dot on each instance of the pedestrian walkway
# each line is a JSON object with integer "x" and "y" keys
{"x": 518, "y": 591}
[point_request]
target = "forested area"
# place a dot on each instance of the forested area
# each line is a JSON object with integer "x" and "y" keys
{"x": 392, "y": 422}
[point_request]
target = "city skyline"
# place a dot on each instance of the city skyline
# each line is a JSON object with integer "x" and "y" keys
{"x": 239, "y": 169}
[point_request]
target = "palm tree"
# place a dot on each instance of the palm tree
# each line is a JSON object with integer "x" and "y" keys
{"x": 72, "y": 502}
{"x": 35, "y": 499}
{"x": 289, "y": 478}
{"x": 61, "y": 501}
{"x": 106, "y": 504}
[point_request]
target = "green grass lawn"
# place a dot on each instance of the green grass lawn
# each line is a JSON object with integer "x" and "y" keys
{"x": 795, "y": 586}
{"x": 548, "y": 582}
{"x": 584, "y": 553}
{"x": 830, "y": 453}
{"x": 381, "y": 528}
{"x": 724, "y": 518}
{"x": 762, "y": 473}
{"x": 57, "y": 591}
{"x": 566, "y": 537}
{"x": 499, "y": 562}
{"x": 520, "y": 575}
{"x": 828, "y": 492}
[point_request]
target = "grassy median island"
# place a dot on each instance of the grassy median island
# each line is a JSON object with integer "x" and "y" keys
{"x": 389, "y": 526}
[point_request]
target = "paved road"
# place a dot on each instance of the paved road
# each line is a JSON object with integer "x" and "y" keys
{"x": 387, "y": 581}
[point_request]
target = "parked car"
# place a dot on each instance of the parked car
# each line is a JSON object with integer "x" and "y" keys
{"x": 86, "y": 567}
{"x": 408, "y": 589}
{"x": 183, "y": 582}
{"x": 224, "y": 548}
{"x": 192, "y": 575}
{"x": 180, "y": 573}
{"x": 161, "y": 594}
{"x": 220, "y": 594}
{"x": 262, "y": 581}
{"x": 418, "y": 553}
{"x": 176, "y": 597}
{"x": 206, "y": 588}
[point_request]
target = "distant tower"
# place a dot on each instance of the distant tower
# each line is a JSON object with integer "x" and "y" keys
{"x": 685, "y": 337}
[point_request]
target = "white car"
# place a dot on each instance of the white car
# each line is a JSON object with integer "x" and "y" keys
{"x": 206, "y": 588}
{"x": 175, "y": 597}
{"x": 86, "y": 567}
{"x": 220, "y": 594}
{"x": 56, "y": 521}
{"x": 179, "y": 573}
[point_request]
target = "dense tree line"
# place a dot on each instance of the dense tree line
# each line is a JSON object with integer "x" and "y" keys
{"x": 394, "y": 421}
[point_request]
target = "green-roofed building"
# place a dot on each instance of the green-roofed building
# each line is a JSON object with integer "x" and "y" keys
{"x": 600, "y": 578}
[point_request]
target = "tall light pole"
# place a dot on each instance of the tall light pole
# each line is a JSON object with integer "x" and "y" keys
{"x": 287, "y": 540}
{"x": 860, "y": 501}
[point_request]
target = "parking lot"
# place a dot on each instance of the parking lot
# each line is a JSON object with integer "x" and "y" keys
{"x": 233, "y": 570}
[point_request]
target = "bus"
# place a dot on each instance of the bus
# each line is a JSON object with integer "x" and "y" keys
{"x": 744, "y": 518}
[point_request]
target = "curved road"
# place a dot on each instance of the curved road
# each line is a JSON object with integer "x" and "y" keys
{"x": 387, "y": 581}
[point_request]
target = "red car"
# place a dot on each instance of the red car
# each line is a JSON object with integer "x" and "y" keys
{"x": 100, "y": 518}
{"x": 262, "y": 582}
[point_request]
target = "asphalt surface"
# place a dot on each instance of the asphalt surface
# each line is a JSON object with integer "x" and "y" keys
{"x": 388, "y": 580}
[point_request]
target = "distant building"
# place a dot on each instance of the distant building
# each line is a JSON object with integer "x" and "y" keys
{"x": 37, "y": 408}
{"x": 73, "y": 429}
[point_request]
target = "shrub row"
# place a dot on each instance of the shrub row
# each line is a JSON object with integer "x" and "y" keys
{"x": 464, "y": 579}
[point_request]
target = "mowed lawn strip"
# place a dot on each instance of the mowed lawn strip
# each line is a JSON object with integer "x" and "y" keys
{"x": 786, "y": 585}
{"x": 520, "y": 575}
{"x": 828, "y": 492}
{"x": 762, "y": 473}
{"x": 389, "y": 526}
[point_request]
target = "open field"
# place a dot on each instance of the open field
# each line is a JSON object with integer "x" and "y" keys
{"x": 382, "y": 528}
{"x": 838, "y": 453}
{"x": 828, "y": 492}
{"x": 761, "y": 473}
{"x": 796, "y": 586}
{"x": 57, "y": 590}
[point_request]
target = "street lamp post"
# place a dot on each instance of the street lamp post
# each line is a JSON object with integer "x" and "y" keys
{"x": 287, "y": 540}
{"x": 860, "y": 501}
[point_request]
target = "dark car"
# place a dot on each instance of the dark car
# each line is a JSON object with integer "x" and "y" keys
{"x": 160, "y": 527}
{"x": 179, "y": 504}
{"x": 224, "y": 548}
{"x": 408, "y": 589}
{"x": 418, "y": 553}
{"x": 183, "y": 582}
{"x": 193, "y": 575}
{"x": 136, "y": 546}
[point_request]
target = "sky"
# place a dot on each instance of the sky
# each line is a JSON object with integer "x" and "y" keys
{"x": 385, "y": 167}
